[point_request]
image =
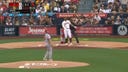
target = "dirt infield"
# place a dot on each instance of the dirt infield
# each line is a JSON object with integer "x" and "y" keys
{"x": 55, "y": 64}
{"x": 84, "y": 44}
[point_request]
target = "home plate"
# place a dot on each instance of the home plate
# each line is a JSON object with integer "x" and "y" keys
{"x": 40, "y": 45}
{"x": 85, "y": 45}
{"x": 21, "y": 66}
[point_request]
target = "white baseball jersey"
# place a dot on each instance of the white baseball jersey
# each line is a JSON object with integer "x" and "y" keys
{"x": 66, "y": 24}
{"x": 47, "y": 38}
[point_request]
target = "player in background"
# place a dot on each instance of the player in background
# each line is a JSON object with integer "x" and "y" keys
{"x": 67, "y": 31}
{"x": 48, "y": 45}
{"x": 62, "y": 39}
{"x": 73, "y": 28}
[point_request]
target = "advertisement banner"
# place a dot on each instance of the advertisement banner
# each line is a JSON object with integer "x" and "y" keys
{"x": 121, "y": 30}
{"x": 61, "y": 15}
{"x": 36, "y": 30}
{"x": 95, "y": 30}
{"x": 10, "y": 30}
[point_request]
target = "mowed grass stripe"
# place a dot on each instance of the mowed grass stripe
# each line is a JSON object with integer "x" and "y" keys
{"x": 101, "y": 60}
{"x": 58, "y": 39}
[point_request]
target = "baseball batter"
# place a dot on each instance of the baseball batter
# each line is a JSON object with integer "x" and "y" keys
{"x": 48, "y": 54}
{"x": 67, "y": 32}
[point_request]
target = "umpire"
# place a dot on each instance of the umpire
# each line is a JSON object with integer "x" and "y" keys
{"x": 73, "y": 31}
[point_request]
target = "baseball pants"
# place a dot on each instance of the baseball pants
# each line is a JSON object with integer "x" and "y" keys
{"x": 48, "y": 54}
{"x": 67, "y": 33}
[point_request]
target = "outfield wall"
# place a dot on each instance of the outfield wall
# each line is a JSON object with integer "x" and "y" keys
{"x": 119, "y": 30}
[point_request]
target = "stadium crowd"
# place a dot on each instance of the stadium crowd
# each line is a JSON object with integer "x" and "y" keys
{"x": 36, "y": 7}
{"x": 116, "y": 10}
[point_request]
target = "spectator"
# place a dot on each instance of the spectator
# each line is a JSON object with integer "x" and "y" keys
{"x": 48, "y": 20}
{"x": 72, "y": 8}
{"x": 42, "y": 10}
{"x": 57, "y": 8}
{"x": 24, "y": 21}
{"x": 97, "y": 19}
{"x": 31, "y": 21}
{"x": 108, "y": 9}
{"x": 46, "y": 6}
{"x": 38, "y": 10}
{"x": 9, "y": 21}
{"x": 3, "y": 7}
{"x": 112, "y": 21}
{"x": 17, "y": 21}
{"x": 121, "y": 10}
{"x": 81, "y": 21}
{"x": 67, "y": 6}
{"x": 123, "y": 2}
{"x": 127, "y": 8}
{"x": 53, "y": 3}
{"x": 126, "y": 21}
{"x": 95, "y": 7}
{"x": 110, "y": 1}
{"x": 108, "y": 21}
{"x": 118, "y": 21}
{"x": 41, "y": 19}
{"x": 63, "y": 9}
{"x": 102, "y": 9}
{"x": 91, "y": 20}
{"x": 20, "y": 5}
{"x": 60, "y": 2}
{"x": 88, "y": 23}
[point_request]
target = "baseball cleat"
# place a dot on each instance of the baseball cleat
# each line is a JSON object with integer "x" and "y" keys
{"x": 66, "y": 44}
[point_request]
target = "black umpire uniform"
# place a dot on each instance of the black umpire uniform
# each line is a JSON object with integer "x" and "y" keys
{"x": 73, "y": 31}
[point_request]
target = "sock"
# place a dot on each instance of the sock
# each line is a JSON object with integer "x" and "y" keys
{"x": 70, "y": 40}
{"x": 66, "y": 40}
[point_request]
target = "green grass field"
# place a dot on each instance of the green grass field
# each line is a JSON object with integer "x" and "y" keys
{"x": 100, "y": 60}
{"x": 56, "y": 39}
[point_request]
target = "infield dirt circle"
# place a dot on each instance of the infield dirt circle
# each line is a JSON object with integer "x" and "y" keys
{"x": 55, "y": 64}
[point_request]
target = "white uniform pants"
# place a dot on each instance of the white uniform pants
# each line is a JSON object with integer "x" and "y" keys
{"x": 67, "y": 33}
{"x": 48, "y": 54}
